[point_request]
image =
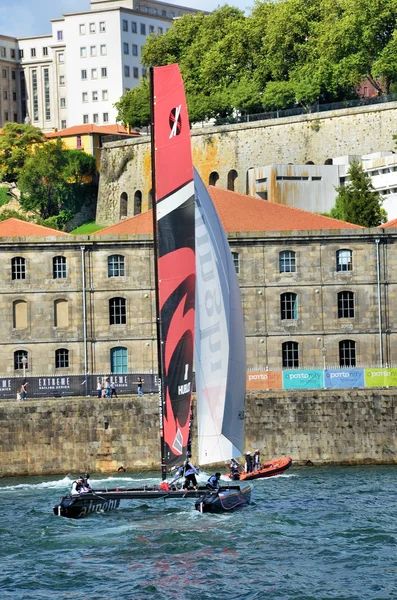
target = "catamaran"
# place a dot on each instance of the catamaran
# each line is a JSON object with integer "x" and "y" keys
{"x": 199, "y": 317}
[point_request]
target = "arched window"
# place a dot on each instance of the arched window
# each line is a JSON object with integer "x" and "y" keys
{"x": 20, "y": 314}
{"x": 18, "y": 267}
{"x": 116, "y": 266}
{"x": 59, "y": 267}
{"x": 21, "y": 360}
{"x": 123, "y": 205}
{"x": 329, "y": 161}
{"x": 287, "y": 261}
{"x": 346, "y": 305}
{"x": 61, "y": 313}
{"x": 150, "y": 199}
{"x": 289, "y": 306}
{"x": 309, "y": 162}
{"x": 137, "y": 202}
{"x": 213, "y": 178}
{"x": 347, "y": 353}
{"x": 119, "y": 360}
{"x": 236, "y": 261}
{"x": 61, "y": 358}
{"x": 290, "y": 351}
{"x": 231, "y": 180}
{"x": 344, "y": 260}
{"x": 117, "y": 311}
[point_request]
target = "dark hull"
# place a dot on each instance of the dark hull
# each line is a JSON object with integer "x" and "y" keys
{"x": 98, "y": 501}
{"x": 275, "y": 467}
{"x": 225, "y": 500}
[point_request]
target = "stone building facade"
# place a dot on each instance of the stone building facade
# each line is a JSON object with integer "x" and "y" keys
{"x": 225, "y": 155}
{"x": 310, "y": 298}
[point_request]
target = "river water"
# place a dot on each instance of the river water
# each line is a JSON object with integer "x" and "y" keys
{"x": 313, "y": 533}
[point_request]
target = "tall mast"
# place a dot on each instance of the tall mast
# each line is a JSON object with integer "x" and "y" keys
{"x": 160, "y": 369}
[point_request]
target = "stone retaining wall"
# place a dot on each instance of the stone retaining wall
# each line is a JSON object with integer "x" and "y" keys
{"x": 71, "y": 435}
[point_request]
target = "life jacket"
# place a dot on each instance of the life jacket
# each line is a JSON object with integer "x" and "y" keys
{"x": 213, "y": 482}
{"x": 164, "y": 486}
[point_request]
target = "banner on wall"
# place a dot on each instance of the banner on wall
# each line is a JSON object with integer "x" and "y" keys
{"x": 344, "y": 378}
{"x": 380, "y": 377}
{"x": 264, "y": 380}
{"x": 302, "y": 380}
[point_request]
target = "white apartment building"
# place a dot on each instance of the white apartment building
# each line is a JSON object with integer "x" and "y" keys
{"x": 76, "y": 74}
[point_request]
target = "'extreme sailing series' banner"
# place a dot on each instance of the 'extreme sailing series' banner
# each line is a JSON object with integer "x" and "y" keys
{"x": 174, "y": 232}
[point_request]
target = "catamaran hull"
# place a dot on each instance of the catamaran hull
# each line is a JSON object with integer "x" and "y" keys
{"x": 101, "y": 501}
{"x": 224, "y": 501}
{"x": 275, "y": 467}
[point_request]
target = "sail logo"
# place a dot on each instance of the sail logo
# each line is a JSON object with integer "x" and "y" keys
{"x": 184, "y": 389}
{"x": 175, "y": 121}
{"x": 178, "y": 442}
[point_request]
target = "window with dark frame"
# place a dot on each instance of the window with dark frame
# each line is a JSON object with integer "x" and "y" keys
{"x": 236, "y": 261}
{"x": 18, "y": 268}
{"x": 19, "y": 357}
{"x": 117, "y": 311}
{"x": 344, "y": 260}
{"x": 61, "y": 358}
{"x": 290, "y": 352}
{"x": 287, "y": 261}
{"x": 59, "y": 267}
{"x": 347, "y": 353}
{"x": 288, "y": 306}
{"x": 345, "y": 305}
{"x": 116, "y": 265}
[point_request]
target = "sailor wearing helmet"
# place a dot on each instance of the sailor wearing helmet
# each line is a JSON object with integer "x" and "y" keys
{"x": 78, "y": 486}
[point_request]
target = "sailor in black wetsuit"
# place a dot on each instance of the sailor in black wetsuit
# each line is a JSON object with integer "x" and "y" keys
{"x": 248, "y": 462}
{"x": 190, "y": 475}
{"x": 213, "y": 482}
{"x": 78, "y": 486}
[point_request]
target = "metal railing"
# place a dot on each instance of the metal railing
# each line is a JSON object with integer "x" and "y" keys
{"x": 292, "y": 112}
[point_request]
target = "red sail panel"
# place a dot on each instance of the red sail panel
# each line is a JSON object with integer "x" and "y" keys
{"x": 172, "y": 132}
{"x": 176, "y": 263}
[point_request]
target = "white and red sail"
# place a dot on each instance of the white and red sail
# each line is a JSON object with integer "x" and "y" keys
{"x": 174, "y": 229}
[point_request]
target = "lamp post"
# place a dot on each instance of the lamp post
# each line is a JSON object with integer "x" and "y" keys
{"x": 324, "y": 352}
{"x": 24, "y": 363}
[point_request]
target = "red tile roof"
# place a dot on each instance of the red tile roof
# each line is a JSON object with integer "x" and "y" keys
{"x": 240, "y": 213}
{"x": 91, "y": 128}
{"x": 17, "y": 228}
{"x": 392, "y": 223}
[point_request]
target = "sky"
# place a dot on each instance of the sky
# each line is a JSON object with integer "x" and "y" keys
{"x": 24, "y": 18}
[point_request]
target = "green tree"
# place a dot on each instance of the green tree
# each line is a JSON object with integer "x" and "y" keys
{"x": 16, "y": 145}
{"x": 55, "y": 182}
{"x": 133, "y": 108}
{"x": 357, "y": 201}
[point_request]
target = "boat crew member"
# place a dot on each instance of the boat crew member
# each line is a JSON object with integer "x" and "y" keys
{"x": 213, "y": 482}
{"x": 78, "y": 486}
{"x": 87, "y": 484}
{"x": 178, "y": 475}
{"x": 257, "y": 460}
{"x": 190, "y": 475}
{"x": 248, "y": 462}
{"x": 235, "y": 469}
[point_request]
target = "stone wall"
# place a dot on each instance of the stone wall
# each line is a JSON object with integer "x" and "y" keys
{"x": 126, "y": 165}
{"x": 73, "y": 435}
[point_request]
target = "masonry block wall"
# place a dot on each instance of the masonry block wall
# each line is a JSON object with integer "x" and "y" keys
{"x": 74, "y": 435}
{"x": 126, "y": 165}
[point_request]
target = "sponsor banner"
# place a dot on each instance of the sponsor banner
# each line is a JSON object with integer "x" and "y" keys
{"x": 344, "y": 378}
{"x": 52, "y": 386}
{"x": 380, "y": 377}
{"x": 301, "y": 380}
{"x": 264, "y": 380}
{"x": 9, "y": 387}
